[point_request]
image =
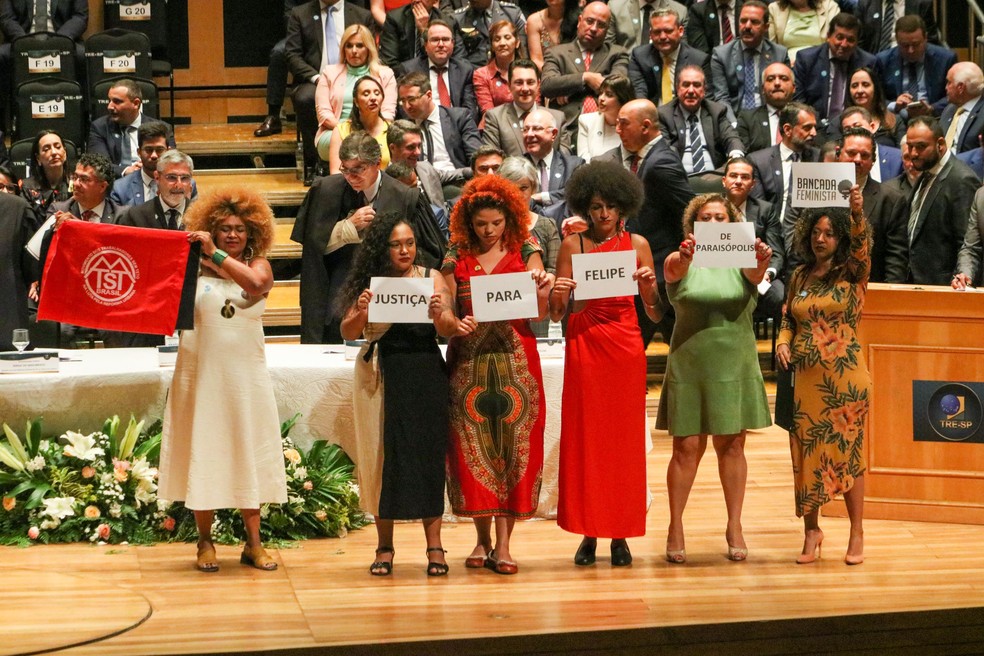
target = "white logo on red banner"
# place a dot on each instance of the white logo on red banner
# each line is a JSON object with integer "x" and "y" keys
{"x": 110, "y": 275}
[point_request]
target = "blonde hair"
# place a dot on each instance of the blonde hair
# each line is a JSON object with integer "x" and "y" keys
{"x": 367, "y": 39}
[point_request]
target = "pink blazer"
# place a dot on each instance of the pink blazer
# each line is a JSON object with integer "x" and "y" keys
{"x": 328, "y": 96}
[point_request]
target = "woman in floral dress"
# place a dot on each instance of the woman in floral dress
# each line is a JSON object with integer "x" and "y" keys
{"x": 832, "y": 386}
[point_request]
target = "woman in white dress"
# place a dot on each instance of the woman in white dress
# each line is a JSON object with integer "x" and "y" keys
{"x": 596, "y": 131}
{"x": 221, "y": 446}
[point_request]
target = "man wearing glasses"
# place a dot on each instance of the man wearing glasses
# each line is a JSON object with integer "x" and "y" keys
{"x": 174, "y": 186}
{"x": 330, "y": 224}
{"x": 141, "y": 185}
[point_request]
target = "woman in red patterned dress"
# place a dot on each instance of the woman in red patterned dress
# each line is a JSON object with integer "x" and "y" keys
{"x": 495, "y": 457}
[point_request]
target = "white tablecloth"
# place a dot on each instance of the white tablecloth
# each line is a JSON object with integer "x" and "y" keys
{"x": 96, "y": 384}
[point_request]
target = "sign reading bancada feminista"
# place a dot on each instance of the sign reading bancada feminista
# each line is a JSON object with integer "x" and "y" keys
{"x": 724, "y": 245}
{"x": 504, "y": 296}
{"x": 822, "y": 184}
{"x": 604, "y": 275}
{"x": 400, "y": 300}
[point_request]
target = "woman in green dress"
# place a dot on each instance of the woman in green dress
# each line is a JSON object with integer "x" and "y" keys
{"x": 713, "y": 383}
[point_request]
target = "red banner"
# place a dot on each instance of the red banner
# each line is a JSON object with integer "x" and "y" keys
{"x": 110, "y": 277}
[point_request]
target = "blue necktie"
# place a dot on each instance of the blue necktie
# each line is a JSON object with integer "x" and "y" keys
{"x": 331, "y": 39}
{"x": 696, "y": 145}
{"x": 749, "y": 98}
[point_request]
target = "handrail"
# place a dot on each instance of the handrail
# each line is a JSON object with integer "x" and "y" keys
{"x": 975, "y": 19}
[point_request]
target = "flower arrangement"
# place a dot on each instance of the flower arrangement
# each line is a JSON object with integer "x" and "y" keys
{"x": 102, "y": 487}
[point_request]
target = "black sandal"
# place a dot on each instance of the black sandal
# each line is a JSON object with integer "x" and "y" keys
{"x": 436, "y": 569}
{"x": 382, "y": 567}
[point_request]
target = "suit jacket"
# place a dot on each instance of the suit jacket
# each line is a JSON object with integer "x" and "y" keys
{"x": 504, "y": 130}
{"x": 765, "y": 216}
{"x": 16, "y": 265}
{"x": 399, "y": 38}
{"x": 666, "y": 196}
{"x": 974, "y": 159}
{"x": 460, "y": 135}
{"x": 969, "y": 257}
{"x": 471, "y": 34}
{"x": 941, "y": 225}
{"x": 328, "y": 201}
{"x": 561, "y": 167}
{"x": 110, "y": 215}
{"x": 870, "y": 13}
{"x": 625, "y": 27}
{"x": 129, "y": 190}
{"x": 812, "y": 74}
{"x": 646, "y": 69}
{"x": 967, "y": 139}
{"x": 728, "y": 70}
{"x": 69, "y": 17}
{"x": 721, "y": 137}
{"x": 887, "y": 211}
{"x": 306, "y": 36}
{"x": 106, "y": 138}
{"x": 460, "y": 85}
{"x": 767, "y": 168}
{"x": 936, "y": 63}
{"x": 703, "y": 24}
{"x": 889, "y": 162}
{"x": 754, "y": 130}
{"x": 149, "y": 214}
{"x": 562, "y": 70}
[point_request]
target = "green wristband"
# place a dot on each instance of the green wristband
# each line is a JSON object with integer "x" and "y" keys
{"x": 218, "y": 257}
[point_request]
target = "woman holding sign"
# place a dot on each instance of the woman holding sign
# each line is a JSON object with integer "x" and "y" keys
{"x": 401, "y": 394}
{"x": 497, "y": 403}
{"x": 832, "y": 386}
{"x": 713, "y": 384}
{"x": 603, "y": 434}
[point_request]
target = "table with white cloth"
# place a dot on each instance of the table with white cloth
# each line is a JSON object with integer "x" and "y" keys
{"x": 314, "y": 380}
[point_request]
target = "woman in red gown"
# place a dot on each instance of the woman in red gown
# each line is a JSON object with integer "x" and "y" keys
{"x": 495, "y": 457}
{"x": 603, "y": 424}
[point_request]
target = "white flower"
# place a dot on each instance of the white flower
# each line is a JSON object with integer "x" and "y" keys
{"x": 264, "y": 511}
{"x": 44, "y": 445}
{"x": 143, "y": 495}
{"x": 50, "y": 523}
{"x": 143, "y": 472}
{"x": 107, "y": 480}
{"x": 354, "y": 487}
{"x": 35, "y": 464}
{"x": 115, "y": 510}
{"x": 58, "y": 507}
{"x": 81, "y": 446}
{"x": 300, "y": 473}
{"x": 163, "y": 505}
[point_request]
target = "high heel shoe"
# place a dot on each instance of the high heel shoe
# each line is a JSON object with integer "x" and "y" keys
{"x": 676, "y": 557}
{"x": 435, "y": 568}
{"x": 855, "y": 560}
{"x": 382, "y": 567}
{"x": 813, "y": 553}
{"x": 737, "y": 554}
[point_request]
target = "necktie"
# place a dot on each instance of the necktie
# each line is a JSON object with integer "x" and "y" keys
{"x": 888, "y": 25}
{"x": 951, "y": 132}
{"x": 331, "y": 38}
{"x": 647, "y": 15}
{"x": 917, "y": 202}
{"x": 666, "y": 85}
{"x": 442, "y": 87}
{"x": 634, "y": 163}
{"x": 88, "y": 216}
{"x": 544, "y": 176}
{"x": 127, "y": 144}
{"x": 778, "y": 127}
{"x": 912, "y": 88}
{"x": 40, "y": 21}
{"x": 696, "y": 145}
{"x": 749, "y": 97}
{"x": 361, "y": 200}
{"x": 172, "y": 219}
{"x": 428, "y": 140}
{"x": 726, "y": 34}
{"x": 795, "y": 157}
{"x": 836, "y": 101}
{"x": 590, "y": 104}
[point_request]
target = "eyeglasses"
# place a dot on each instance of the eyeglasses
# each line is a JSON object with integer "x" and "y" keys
{"x": 174, "y": 179}
{"x": 9, "y": 188}
{"x": 406, "y": 100}
{"x": 160, "y": 150}
{"x": 355, "y": 170}
{"x": 84, "y": 179}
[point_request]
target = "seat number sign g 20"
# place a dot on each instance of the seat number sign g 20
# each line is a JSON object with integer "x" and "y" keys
{"x": 134, "y": 11}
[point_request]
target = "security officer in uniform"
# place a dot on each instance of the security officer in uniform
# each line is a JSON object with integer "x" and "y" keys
{"x": 471, "y": 27}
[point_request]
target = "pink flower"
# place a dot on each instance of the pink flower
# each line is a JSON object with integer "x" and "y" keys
{"x": 91, "y": 512}
{"x": 102, "y": 531}
{"x": 9, "y": 503}
{"x": 308, "y": 485}
{"x": 168, "y": 524}
{"x": 33, "y": 532}
{"x": 320, "y": 515}
{"x": 120, "y": 469}
{"x": 88, "y": 472}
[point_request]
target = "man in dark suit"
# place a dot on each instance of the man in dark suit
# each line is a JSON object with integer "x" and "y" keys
{"x": 405, "y": 31}
{"x": 913, "y": 73}
{"x": 963, "y": 118}
{"x": 471, "y": 27}
{"x": 450, "y": 134}
{"x": 698, "y": 128}
{"x": 306, "y": 56}
{"x": 969, "y": 259}
{"x": 823, "y": 72}
{"x": 711, "y": 23}
{"x": 454, "y": 73}
{"x": 876, "y": 36}
{"x": 887, "y": 160}
{"x": 554, "y": 167}
{"x": 331, "y": 221}
{"x": 649, "y": 155}
{"x": 937, "y": 221}
{"x": 276, "y": 85}
{"x": 406, "y": 143}
{"x": 504, "y": 123}
{"x": 759, "y": 128}
{"x": 115, "y": 135}
{"x": 653, "y": 66}
{"x": 736, "y": 67}
{"x": 576, "y": 70}
{"x": 631, "y": 18}
{"x": 17, "y": 224}
{"x": 141, "y": 185}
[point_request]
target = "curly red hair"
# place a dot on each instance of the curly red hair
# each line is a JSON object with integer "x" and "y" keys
{"x": 490, "y": 192}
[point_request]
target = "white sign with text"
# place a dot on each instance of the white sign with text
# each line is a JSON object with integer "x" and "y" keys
{"x": 400, "y": 300}
{"x": 822, "y": 184}
{"x": 504, "y": 296}
{"x": 604, "y": 275}
{"x": 724, "y": 245}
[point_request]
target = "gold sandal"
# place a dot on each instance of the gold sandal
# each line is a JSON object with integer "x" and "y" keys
{"x": 258, "y": 558}
{"x": 207, "y": 560}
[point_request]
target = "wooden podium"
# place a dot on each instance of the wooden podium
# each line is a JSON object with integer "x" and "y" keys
{"x": 929, "y": 334}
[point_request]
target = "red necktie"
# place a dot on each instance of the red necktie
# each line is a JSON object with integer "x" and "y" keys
{"x": 589, "y": 105}
{"x": 87, "y": 215}
{"x": 727, "y": 36}
{"x": 442, "y": 87}
{"x": 634, "y": 163}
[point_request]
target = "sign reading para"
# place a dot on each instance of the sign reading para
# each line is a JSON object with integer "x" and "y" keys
{"x": 822, "y": 184}
{"x": 604, "y": 275}
{"x": 504, "y": 296}
{"x": 724, "y": 245}
{"x": 400, "y": 300}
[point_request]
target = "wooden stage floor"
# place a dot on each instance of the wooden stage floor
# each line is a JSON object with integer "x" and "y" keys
{"x": 322, "y": 600}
